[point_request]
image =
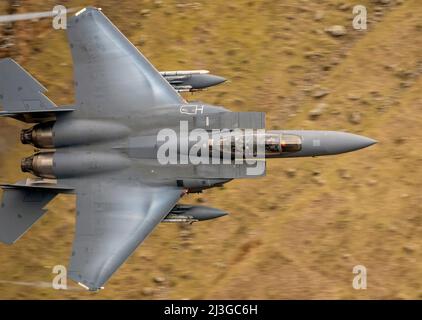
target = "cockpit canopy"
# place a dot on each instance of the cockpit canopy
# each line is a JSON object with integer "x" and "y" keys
{"x": 276, "y": 143}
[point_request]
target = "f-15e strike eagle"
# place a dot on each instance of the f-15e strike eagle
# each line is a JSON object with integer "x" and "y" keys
{"x": 108, "y": 147}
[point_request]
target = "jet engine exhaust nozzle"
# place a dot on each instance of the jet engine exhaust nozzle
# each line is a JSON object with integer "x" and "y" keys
{"x": 40, "y": 136}
{"x": 40, "y": 164}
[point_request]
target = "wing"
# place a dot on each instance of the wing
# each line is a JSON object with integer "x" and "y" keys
{"x": 112, "y": 78}
{"x": 112, "y": 221}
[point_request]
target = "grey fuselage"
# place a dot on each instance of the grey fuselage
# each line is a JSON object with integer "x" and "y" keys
{"x": 107, "y": 146}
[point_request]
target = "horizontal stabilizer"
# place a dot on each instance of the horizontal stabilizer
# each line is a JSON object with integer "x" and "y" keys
{"x": 19, "y": 91}
{"x": 21, "y": 207}
{"x": 35, "y": 116}
{"x": 38, "y": 184}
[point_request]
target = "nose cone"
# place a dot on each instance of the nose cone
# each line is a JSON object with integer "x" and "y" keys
{"x": 315, "y": 143}
{"x": 202, "y": 81}
{"x": 340, "y": 142}
{"x": 209, "y": 80}
{"x": 218, "y": 80}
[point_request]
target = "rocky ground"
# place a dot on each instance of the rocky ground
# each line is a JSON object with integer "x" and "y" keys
{"x": 298, "y": 232}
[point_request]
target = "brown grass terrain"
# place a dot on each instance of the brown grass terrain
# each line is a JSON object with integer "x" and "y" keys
{"x": 298, "y": 232}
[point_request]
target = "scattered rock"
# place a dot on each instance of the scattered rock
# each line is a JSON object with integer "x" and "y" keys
{"x": 186, "y": 276}
{"x": 355, "y": 117}
{"x": 344, "y": 212}
{"x": 346, "y": 256}
{"x": 141, "y": 42}
{"x": 210, "y": 52}
{"x": 272, "y": 206}
{"x": 344, "y": 7}
{"x": 318, "y": 180}
{"x": 392, "y": 229}
{"x": 405, "y": 74}
{"x": 390, "y": 67}
{"x": 372, "y": 182}
{"x": 312, "y": 55}
{"x": 353, "y": 96}
{"x": 232, "y": 52}
{"x": 238, "y": 102}
{"x": 291, "y": 172}
{"x": 409, "y": 248}
{"x": 159, "y": 279}
{"x": 290, "y": 17}
{"x": 147, "y": 291}
{"x": 220, "y": 265}
{"x": 191, "y": 5}
{"x": 316, "y": 172}
{"x": 158, "y": 3}
{"x": 197, "y": 248}
{"x": 316, "y": 112}
{"x": 399, "y": 140}
{"x": 320, "y": 93}
{"x": 344, "y": 174}
{"x": 289, "y": 51}
{"x": 319, "y": 15}
{"x": 145, "y": 12}
{"x": 335, "y": 111}
{"x": 405, "y": 84}
{"x": 335, "y": 61}
{"x": 336, "y": 31}
{"x": 146, "y": 257}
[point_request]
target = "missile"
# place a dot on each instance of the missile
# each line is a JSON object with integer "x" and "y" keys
{"x": 191, "y": 214}
{"x": 191, "y": 81}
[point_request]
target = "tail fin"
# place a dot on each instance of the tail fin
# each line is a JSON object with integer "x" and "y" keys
{"x": 19, "y": 91}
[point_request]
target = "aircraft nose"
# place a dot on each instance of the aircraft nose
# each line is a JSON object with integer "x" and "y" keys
{"x": 345, "y": 142}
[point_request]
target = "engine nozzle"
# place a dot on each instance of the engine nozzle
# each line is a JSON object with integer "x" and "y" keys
{"x": 40, "y": 136}
{"x": 40, "y": 164}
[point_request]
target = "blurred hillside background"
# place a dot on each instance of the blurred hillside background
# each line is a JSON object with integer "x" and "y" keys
{"x": 297, "y": 233}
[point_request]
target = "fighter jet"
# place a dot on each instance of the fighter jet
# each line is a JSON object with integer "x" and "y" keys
{"x": 129, "y": 149}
